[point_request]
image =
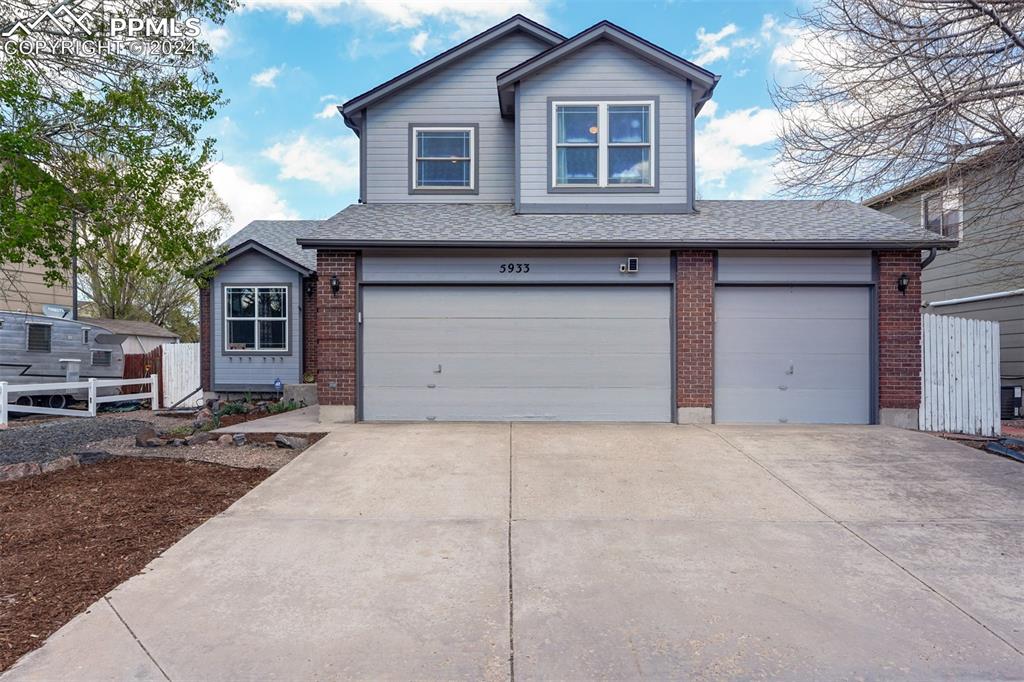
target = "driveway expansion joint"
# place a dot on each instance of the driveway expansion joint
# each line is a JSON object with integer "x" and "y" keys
{"x": 511, "y": 606}
{"x": 138, "y": 641}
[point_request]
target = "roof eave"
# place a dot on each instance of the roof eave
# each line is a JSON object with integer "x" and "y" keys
{"x": 254, "y": 245}
{"x": 913, "y": 244}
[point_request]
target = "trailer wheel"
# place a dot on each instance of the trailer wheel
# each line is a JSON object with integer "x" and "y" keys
{"x": 57, "y": 402}
{"x": 24, "y": 401}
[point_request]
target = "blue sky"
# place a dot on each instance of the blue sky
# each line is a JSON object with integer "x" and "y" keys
{"x": 283, "y": 64}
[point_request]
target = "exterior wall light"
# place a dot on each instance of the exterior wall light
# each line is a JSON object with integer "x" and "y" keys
{"x": 335, "y": 285}
{"x": 902, "y": 283}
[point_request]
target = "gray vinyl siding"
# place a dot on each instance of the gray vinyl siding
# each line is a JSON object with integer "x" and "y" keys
{"x": 604, "y": 70}
{"x": 1009, "y": 313}
{"x": 464, "y": 93}
{"x": 256, "y": 369}
{"x": 484, "y": 265}
{"x": 801, "y": 266}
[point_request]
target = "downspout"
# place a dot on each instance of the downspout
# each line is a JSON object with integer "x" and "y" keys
{"x": 929, "y": 258}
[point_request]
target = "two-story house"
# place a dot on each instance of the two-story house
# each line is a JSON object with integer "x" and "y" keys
{"x": 983, "y": 278}
{"x": 527, "y": 246}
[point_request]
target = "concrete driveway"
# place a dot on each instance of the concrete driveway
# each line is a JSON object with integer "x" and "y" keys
{"x": 584, "y": 551}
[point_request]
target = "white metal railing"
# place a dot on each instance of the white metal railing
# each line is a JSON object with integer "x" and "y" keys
{"x": 94, "y": 399}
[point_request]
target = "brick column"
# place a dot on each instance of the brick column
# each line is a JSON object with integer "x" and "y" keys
{"x": 695, "y": 324}
{"x": 309, "y": 329}
{"x": 336, "y": 335}
{"x": 899, "y": 339}
{"x": 205, "y": 339}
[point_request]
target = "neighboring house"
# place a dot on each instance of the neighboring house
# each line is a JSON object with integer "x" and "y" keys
{"x": 23, "y": 289}
{"x": 528, "y": 246}
{"x": 983, "y": 278}
{"x": 140, "y": 337}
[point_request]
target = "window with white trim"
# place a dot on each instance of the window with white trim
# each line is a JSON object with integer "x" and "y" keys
{"x": 602, "y": 144}
{"x": 443, "y": 158}
{"x": 255, "y": 318}
{"x": 943, "y": 212}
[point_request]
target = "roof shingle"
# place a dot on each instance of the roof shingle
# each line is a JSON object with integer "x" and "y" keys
{"x": 279, "y": 236}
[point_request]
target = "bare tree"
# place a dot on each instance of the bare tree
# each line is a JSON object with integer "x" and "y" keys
{"x": 896, "y": 91}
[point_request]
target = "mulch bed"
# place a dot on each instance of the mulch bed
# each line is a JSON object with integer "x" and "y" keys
{"x": 69, "y": 537}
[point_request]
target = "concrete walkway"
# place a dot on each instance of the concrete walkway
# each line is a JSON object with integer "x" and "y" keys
{"x": 488, "y": 551}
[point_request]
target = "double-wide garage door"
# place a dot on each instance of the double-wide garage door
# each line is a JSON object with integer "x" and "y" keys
{"x": 792, "y": 354}
{"x": 573, "y": 353}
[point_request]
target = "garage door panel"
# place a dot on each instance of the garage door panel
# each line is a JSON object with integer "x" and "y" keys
{"x": 824, "y": 370}
{"x": 792, "y": 354}
{"x": 526, "y": 302}
{"x": 776, "y": 302}
{"x": 591, "y": 370}
{"x": 837, "y": 406}
{"x": 748, "y": 335}
{"x": 541, "y": 404}
{"x": 517, "y": 352}
{"x": 506, "y": 335}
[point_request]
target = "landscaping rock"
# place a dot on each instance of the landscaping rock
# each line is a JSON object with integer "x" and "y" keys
{"x": 154, "y": 443}
{"x": 238, "y": 439}
{"x": 177, "y": 442}
{"x": 199, "y": 438}
{"x": 202, "y": 418}
{"x": 225, "y": 440}
{"x": 65, "y": 462}
{"x": 12, "y": 472}
{"x": 290, "y": 442}
{"x": 93, "y": 456}
{"x": 144, "y": 435}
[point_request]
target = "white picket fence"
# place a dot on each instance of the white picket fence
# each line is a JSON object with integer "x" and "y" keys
{"x": 180, "y": 370}
{"x": 94, "y": 400}
{"x": 959, "y": 375}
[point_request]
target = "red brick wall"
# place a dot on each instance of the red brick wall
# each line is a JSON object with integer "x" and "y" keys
{"x": 309, "y": 332}
{"x": 336, "y": 328}
{"x": 205, "y": 340}
{"x": 899, "y": 330}
{"x": 695, "y": 324}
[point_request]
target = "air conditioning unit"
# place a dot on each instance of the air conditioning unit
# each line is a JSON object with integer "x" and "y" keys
{"x": 1010, "y": 402}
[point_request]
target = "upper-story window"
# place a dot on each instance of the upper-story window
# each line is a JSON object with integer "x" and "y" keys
{"x": 444, "y": 159}
{"x": 603, "y": 144}
{"x": 942, "y": 212}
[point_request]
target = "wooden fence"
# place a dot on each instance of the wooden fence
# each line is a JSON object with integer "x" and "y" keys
{"x": 177, "y": 365}
{"x": 960, "y": 375}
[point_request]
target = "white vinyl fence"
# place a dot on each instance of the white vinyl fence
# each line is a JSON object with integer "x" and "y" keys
{"x": 960, "y": 375}
{"x": 8, "y": 391}
{"x": 180, "y": 373}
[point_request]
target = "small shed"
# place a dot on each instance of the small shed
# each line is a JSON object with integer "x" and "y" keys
{"x": 140, "y": 337}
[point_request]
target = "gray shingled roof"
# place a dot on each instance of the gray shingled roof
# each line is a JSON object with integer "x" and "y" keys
{"x": 717, "y": 223}
{"x": 131, "y": 327}
{"x": 279, "y": 236}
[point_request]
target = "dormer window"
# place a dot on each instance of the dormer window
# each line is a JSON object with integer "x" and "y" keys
{"x": 443, "y": 159}
{"x": 602, "y": 144}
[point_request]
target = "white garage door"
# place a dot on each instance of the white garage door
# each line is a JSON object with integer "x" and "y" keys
{"x": 792, "y": 355}
{"x": 565, "y": 353}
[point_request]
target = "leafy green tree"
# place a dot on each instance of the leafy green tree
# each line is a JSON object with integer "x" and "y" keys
{"x": 112, "y": 136}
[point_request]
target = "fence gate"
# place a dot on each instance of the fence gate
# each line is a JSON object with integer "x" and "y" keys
{"x": 960, "y": 375}
{"x": 180, "y": 374}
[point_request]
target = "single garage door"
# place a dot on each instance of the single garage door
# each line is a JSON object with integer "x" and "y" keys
{"x": 793, "y": 355}
{"x": 558, "y": 353}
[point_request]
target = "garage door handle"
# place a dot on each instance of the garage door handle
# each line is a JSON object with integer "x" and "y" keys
{"x": 783, "y": 388}
{"x": 431, "y": 385}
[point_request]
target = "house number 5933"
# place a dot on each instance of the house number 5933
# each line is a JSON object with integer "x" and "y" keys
{"x": 514, "y": 268}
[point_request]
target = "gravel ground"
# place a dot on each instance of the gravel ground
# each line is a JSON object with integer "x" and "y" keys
{"x": 114, "y": 432}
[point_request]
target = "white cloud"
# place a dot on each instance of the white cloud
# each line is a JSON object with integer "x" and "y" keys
{"x": 266, "y": 77}
{"x": 733, "y": 152}
{"x": 248, "y": 200}
{"x": 418, "y": 43}
{"x": 332, "y": 163}
{"x": 711, "y": 47}
{"x": 217, "y": 37}
{"x": 328, "y": 112}
{"x": 329, "y": 97}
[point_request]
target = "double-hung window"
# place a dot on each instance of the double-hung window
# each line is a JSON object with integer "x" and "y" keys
{"x": 443, "y": 158}
{"x": 602, "y": 144}
{"x": 256, "y": 318}
{"x": 942, "y": 212}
